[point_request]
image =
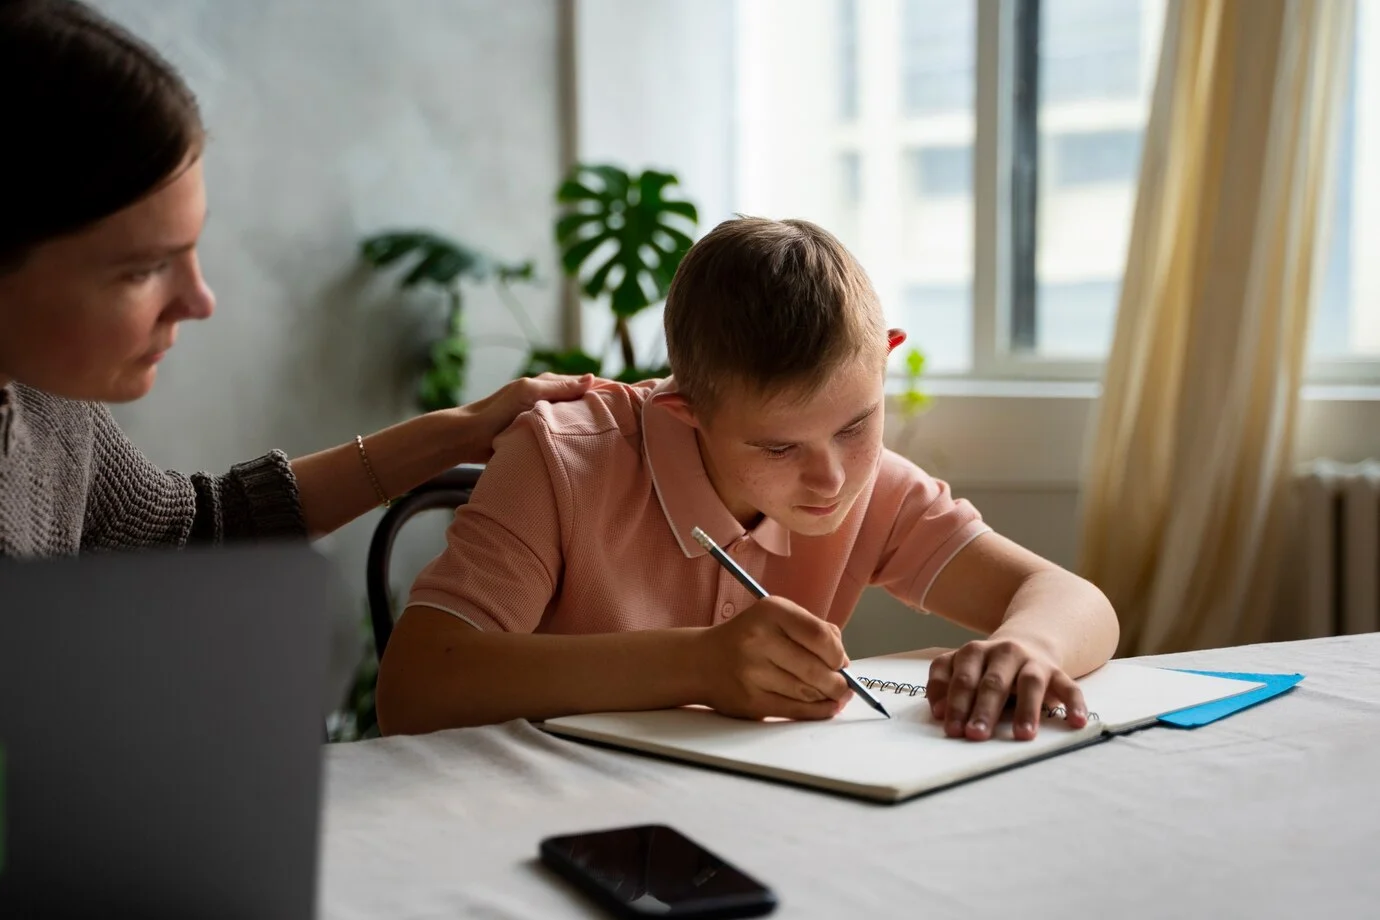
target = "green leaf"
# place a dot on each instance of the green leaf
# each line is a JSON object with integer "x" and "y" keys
{"x": 521, "y": 271}
{"x": 683, "y": 208}
{"x": 571, "y": 224}
{"x": 915, "y": 362}
{"x": 575, "y": 255}
{"x": 629, "y": 297}
{"x": 572, "y": 190}
{"x": 649, "y": 233}
{"x": 388, "y": 247}
{"x": 439, "y": 260}
{"x": 573, "y": 361}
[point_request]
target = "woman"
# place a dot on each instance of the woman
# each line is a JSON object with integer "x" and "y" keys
{"x": 102, "y": 205}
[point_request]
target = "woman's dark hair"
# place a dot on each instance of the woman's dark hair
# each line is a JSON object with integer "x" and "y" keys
{"x": 93, "y": 120}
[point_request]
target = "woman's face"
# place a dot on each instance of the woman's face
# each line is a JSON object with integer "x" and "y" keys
{"x": 89, "y": 316}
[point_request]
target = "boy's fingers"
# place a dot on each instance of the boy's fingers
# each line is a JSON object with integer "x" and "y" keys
{"x": 804, "y": 666}
{"x": 1031, "y": 686}
{"x": 994, "y": 689}
{"x": 776, "y": 706}
{"x": 1067, "y": 691}
{"x": 771, "y": 678}
{"x": 820, "y": 637}
{"x": 963, "y": 683}
{"x": 937, "y": 685}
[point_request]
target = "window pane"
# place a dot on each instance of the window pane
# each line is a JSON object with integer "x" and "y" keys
{"x": 890, "y": 173}
{"x": 1090, "y": 157}
{"x": 1346, "y": 313}
{"x": 937, "y": 54}
{"x": 1079, "y": 316}
{"x": 1090, "y": 49}
{"x": 848, "y": 58}
{"x": 939, "y": 318}
{"x": 941, "y": 171}
{"x": 1096, "y": 72}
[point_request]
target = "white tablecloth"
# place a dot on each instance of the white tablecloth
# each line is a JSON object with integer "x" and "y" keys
{"x": 1273, "y": 812}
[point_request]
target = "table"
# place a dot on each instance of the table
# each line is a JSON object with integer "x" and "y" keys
{"x": 1273, "y": 812}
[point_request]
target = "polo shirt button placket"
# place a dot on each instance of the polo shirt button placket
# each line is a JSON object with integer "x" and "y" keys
{"x": 728, "y": 610}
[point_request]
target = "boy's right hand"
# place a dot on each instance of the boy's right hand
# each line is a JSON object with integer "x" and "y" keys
{"x": 775, "y": 659}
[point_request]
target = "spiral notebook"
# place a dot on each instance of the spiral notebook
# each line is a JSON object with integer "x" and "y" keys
{"x": 863, "y": 754}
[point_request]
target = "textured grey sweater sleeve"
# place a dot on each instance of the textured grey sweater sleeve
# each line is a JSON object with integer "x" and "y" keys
{"x": 133, "y": 504}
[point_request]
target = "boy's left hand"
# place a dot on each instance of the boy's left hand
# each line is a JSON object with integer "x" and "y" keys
{"x": 969, "y": 687}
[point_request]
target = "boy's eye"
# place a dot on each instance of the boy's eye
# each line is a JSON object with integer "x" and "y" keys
{"x": 778, "y": 451}
{"x": 853, "y": 431}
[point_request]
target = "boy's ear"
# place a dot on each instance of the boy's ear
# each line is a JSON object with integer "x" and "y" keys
{"x": 678, "y": 406}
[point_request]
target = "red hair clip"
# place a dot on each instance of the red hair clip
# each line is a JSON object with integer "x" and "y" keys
{"x": 894, "y": 337}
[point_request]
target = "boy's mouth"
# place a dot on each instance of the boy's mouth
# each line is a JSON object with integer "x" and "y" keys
{"x": 819, "y": 510}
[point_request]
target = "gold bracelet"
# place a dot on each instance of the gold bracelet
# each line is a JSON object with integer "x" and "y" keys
{"x": 369, "y": 468}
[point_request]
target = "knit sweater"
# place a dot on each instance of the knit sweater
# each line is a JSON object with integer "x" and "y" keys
{"x": 71, "y": 482}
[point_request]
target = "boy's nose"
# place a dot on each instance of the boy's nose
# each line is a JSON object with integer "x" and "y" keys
{"x": 824, "y": 475}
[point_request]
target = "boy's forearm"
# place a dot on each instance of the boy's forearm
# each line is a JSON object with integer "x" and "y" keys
{"x": 334, "y": 484}
{"x": 1068, "y": 616}
{"x": 440, "y": 672}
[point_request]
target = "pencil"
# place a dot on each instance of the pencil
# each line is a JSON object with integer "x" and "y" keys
{"x": 734, "y": 569}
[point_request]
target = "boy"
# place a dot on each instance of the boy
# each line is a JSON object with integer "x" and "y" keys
{"x": 570, "y": 582}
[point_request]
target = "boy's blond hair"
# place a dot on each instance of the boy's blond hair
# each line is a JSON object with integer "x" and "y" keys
{"x": 772, "y": 305}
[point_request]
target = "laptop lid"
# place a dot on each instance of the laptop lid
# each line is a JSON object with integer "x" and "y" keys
{"x": 161, "y": 728}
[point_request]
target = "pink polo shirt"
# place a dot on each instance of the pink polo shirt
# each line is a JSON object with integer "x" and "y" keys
{"x": 581, "y": 524}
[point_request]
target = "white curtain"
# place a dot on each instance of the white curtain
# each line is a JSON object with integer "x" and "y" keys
{"x": 1188, "y": 464}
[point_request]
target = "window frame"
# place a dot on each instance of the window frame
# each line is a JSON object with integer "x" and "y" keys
{"x": 1006, "y": 176}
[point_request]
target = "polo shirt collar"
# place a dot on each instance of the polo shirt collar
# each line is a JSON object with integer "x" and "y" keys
{"x": 683, "y": 488}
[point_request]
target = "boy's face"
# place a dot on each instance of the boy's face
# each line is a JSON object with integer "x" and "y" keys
{"x": 802, "y": 462}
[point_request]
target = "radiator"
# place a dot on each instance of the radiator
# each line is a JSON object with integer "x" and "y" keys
{"x": 1339, "y": 547}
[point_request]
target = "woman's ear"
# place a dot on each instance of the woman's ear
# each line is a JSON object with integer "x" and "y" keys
{"x": 678, "y": 406}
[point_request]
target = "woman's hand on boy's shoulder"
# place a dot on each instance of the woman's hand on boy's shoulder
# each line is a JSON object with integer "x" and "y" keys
{"x": 485, "y": 419}
{"x": 775, "y": 660}
{"x": 969, "y": 688}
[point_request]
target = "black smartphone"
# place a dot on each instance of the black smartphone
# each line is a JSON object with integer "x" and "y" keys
{"x": 655, "y": 871}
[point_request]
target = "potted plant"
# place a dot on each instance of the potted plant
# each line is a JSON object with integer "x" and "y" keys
{"x": 620, "y": 238}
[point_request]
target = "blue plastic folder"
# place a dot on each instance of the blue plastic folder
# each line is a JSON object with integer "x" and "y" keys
{"x": 1192, "y": 717}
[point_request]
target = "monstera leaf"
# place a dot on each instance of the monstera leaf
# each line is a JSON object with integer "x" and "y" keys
{"x": 574, "y": 361}
{"x": 625, "y": 231}
{"x": 438, "y": 260}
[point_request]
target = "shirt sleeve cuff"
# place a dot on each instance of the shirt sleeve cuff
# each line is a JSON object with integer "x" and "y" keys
{"x": 925, "y": 579}
{"x": 439, "y": 600}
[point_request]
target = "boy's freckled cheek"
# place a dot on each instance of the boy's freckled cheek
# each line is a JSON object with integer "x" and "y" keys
{"x": 763, "y": 483}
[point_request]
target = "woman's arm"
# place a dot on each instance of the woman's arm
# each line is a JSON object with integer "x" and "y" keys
{"x": 335, "y": 486}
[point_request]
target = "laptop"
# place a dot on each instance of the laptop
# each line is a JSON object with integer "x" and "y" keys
{"x": 161, "y": 723}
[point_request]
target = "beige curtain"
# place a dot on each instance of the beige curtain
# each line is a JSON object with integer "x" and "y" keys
{"x": 1188, "y": 462}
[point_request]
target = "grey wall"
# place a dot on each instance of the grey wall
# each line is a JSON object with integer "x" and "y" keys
{"x": 331, "y": 119}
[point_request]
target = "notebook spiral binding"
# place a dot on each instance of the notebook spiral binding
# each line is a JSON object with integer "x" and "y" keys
{"x": 900, "y": 687}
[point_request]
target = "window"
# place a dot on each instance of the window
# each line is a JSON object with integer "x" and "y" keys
{"x": 942, "y": 316}
{"x": 981, "y": 158}
{"x": 1094, "y": 71}
{"x": 1344, "y": 342}
{"x": 1091, "y": 49}
{"x": 848, "y": 59}
{"x": 936, "y": 53}
{"x": 938, "y": 172}
{"x": 850, "y": 178}
{"x": 1093, "y": 157}
{"x": 901, "y": 151}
